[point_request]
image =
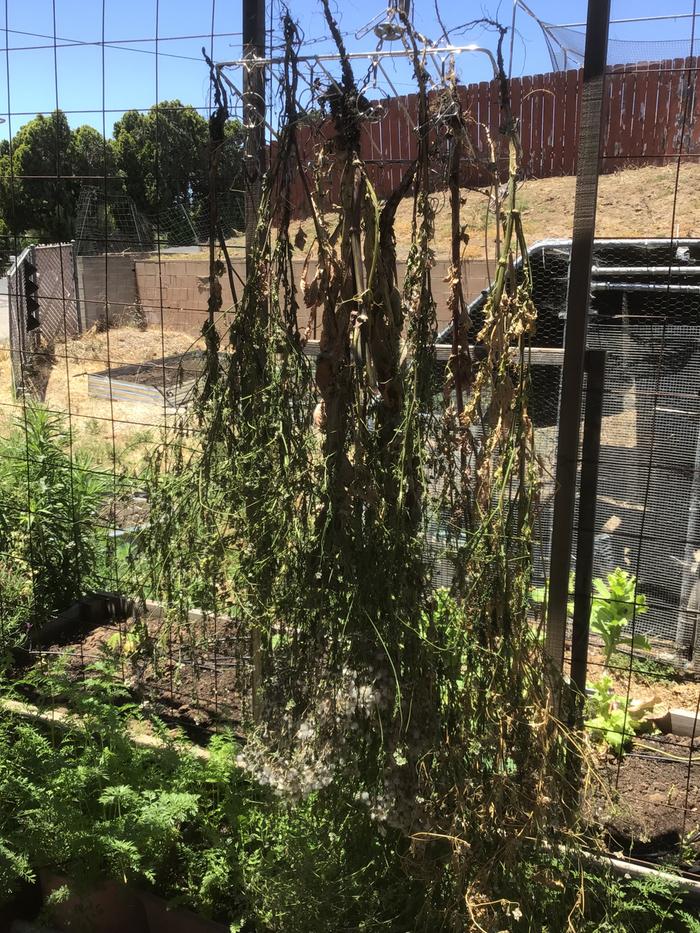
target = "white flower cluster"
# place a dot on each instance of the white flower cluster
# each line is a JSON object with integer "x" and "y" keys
{"x": 306, "y": 754}
{"x": 398, "y": 807}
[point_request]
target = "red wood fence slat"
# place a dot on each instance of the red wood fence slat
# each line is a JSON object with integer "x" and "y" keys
{"x": 680, "y": 91}
{"x": 662, "y": 110}
{"x": 629, "y": 83}
{"x": 647, "y": 148}
{"x": 366, "y": 146}
{"x": 412, "y": 107}
{"x": 694, "y": 107}
{"x": 494, "y": 124}
{"x": 515, "y": 97}
{"x": 393, "y": 121}
{"x": 537, "y": 95}
{"x": 397, "y": 144}
{"x": 526, "y": 126}
{"x": 676, "y": 108}
{"x": 571, "y": 112}
{"x": 612, "y": 113}
{"x": 470, "y": 172}
{"x": 407, "y": 135}
{"x": 548, "y": 118}
{"x": 652, "y": 111}
{"x": 483, "y": 117}
{"x": 559, "y": 105}
{"x": 636, "y": 139}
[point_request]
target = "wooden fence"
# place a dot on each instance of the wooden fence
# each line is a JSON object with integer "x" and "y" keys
{"x": 651, "y": 114}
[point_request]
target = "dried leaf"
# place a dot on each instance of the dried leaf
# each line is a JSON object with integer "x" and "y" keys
{"x": 300, "y": 238}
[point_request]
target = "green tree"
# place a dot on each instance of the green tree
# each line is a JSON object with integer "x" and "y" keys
{"x": 163, "y": 156}
{"x": 91, "y": 157}
{"x": 41, "y": 173}
{"x": 43, "y": 199}
{"x": 160, "y": 158}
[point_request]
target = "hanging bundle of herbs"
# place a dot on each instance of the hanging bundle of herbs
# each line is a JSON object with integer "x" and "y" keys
{"x": 304, "y": 498}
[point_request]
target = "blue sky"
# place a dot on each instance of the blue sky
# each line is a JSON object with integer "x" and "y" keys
{"x": 38, "y": 79}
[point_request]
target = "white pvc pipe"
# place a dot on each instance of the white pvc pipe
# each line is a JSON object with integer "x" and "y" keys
{"x": 635, "y": 870}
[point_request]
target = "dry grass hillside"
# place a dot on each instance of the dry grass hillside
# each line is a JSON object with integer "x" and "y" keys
{"x": 631, "y": 202}
{"x": 104, "y": 429}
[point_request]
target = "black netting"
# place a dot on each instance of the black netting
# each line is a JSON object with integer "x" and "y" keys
{"x": 644, "y": 312}
{"x": 566, "y": 47}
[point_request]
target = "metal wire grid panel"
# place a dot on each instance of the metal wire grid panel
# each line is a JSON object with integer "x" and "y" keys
{"x": 53, "y": 273}
{"x": 645, "y": 315}
{"x": 111, "y": 222}
{"x": 191, "y": 666}
{"x": 197, "y": 666}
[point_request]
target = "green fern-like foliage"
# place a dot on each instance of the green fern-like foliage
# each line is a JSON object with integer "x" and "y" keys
{"x": 84, "y": 801}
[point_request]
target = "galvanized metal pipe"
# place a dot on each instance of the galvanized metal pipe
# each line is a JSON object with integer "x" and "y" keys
{"x": 588, "y": 496}
{"x": 598, "y": 285}
{"x": 645, "y": 270}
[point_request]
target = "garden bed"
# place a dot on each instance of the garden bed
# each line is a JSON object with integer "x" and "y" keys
{"x": 168, "y": 381}
{"x": 649, "y": 801}
{"x": 194, "y": 672}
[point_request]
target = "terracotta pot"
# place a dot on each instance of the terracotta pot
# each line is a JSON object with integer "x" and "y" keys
{"x": 108, "y": 907}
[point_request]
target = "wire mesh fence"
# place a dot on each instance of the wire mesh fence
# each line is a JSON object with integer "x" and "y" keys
{"x": 112, "y": 352}
{"x": 112, "y": 222}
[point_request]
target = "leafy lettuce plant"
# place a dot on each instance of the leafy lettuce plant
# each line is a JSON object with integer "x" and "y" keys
{"x": 611, "y": 720}
{"x": 612, "y": 609}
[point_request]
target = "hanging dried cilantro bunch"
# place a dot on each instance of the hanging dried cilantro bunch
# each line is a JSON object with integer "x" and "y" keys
{"x": 311, "y": 497}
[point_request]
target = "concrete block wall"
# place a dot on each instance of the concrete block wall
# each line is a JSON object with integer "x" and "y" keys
{"x": 174, "y": 292}
{"x": 107, "y": 287}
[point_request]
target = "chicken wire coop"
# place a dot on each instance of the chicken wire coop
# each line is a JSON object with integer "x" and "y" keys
{"x": 106, "y": 332}
{"x": 646, "y": 509}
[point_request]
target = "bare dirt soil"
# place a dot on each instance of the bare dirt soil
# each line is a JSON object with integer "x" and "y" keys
{"x": 671, "y": 688}
{"x": 649, "y": 801}
{"x": 193, "y": 673}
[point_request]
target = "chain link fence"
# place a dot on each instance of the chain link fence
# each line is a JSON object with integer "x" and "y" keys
{"x": 42, "y": 276}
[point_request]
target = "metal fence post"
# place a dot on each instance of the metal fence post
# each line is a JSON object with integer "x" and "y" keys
{"x": 576, "y": 324}
{"x": 583, "y": 584}
{"x": 76, "y": 288}
{"x": 590, "y": 457}
{"x": 253, "y": 12}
